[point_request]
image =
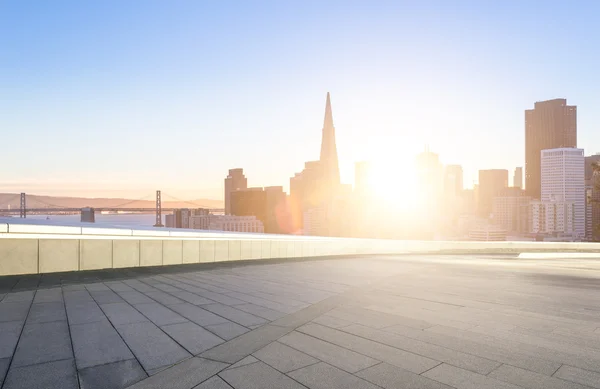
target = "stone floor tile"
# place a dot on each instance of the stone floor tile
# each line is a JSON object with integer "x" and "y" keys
{"x": 184, "y": 375}
{"x": 433, "y": 352}
{"x": 243, "y": 318}
{"x": 47, "y": 312}
{"x": 197, "y": 315}
{"x": 4, "y": 363}
{"x": 118, "y": 286}
{"x": 227, "y": 330}
{"x": 531, "y": 380}
{"x": 122, "y": 313}
{"x": 257, "y": 310}
{"x": 284, "y": 358}
{"x": 116, "y": 375}
{"x": 9, "y": 335}
{"x": 51, "y": 375}
{"x": 392, "y": 377}
{"x": 464, "y": 379}
{"x": 159, "y": 314}
{"x": 152, "y": 347}
{"x": 332, "y": 321}
{"x": 106, "y": 297}
{"x": 191, "y": 298}
{"x": 134, "y": 297}
{"x": 324, "y": 376}
{"x": 246, "y": 344}
{"x": 580, "y": 376}
{"x": 246, "y": 361}
{"x": 97, "y": 343}
{"x": 337, "y": 356}
{"x": 16, "y": 311}
{"x": 44, "y": 342}
{"x": 163, "y": 298}
{"x": 84, "y": 312}
{"x": 192, "y": 337}
{"x": 258, "y": 376}
{"x": 53, "y": 295}
{"x": 16, "y": 297}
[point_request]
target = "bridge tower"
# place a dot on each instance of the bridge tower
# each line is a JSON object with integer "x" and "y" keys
{"x": 23, "y": 212}
{"x": 158, "y": 210}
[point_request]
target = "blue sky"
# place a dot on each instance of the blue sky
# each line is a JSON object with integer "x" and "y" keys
{"x": 118, "y": 98}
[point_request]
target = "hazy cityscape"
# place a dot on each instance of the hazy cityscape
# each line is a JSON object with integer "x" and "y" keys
{"x": 553, "y": 197}
{"x": 268, "y": 194}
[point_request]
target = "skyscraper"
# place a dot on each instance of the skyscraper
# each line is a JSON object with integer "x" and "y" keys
{"x": 518, "y": 178}
{"x": 563, "y": 181}
{"x": 329, "y": 157}
{"x": 491, "y": 182}
{"x": 551, "y": 124}
{"x": 234, "y": 181}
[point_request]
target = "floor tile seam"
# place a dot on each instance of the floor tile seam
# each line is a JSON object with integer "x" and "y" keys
{"x": 103, "y": 363}
{"x": 214, "y": 375}
{"x": 43, "y": 363}
{"x": 12, "y": 357}
{"x": 255, "y": 314}
{"x": 120, "y": 336}
{"x": 62, "y": 295}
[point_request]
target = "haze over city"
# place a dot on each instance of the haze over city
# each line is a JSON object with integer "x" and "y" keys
{"x": 122, "y": 98}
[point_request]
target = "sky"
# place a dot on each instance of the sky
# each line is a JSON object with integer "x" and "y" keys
{"x": 120, "y": 98}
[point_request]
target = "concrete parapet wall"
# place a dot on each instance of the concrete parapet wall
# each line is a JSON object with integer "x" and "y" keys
{"x": 31, "y": 249}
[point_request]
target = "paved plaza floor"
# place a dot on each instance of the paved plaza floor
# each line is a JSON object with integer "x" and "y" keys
{"x": 374, "y": 322}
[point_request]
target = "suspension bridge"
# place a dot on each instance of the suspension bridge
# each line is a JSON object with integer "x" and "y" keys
{"x": 23, "y": 210}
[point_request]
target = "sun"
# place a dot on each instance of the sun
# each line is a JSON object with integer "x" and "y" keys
{"x": 393, "y": 185}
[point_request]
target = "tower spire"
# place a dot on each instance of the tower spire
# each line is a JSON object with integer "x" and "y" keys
{"x": 329, "y": 157}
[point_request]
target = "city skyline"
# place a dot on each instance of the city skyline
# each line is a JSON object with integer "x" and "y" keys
{"x": 112, "y": 111}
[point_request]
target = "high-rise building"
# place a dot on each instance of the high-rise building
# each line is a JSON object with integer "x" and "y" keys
{"x": 551, "y": 124}
{"x": 510, "y": 208}
{"x": 319, "y": 182}
{"x": 592, "y": 184}
{"x": 563, "y": 180}
{"x": 518, "y": 178}
{"x": 491, "y": 182}
{"x": 234, "y": 181}
{"x": 329, "y": 156}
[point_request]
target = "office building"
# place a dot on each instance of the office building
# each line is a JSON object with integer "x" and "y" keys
{"x": 518, "y": 178}
{"x": 234, "y": 181}
{"x": 510, "y": 209}
{"x": 491, "y": 182}
{"x": 563, "y": 180}
{"x": 226, "y": 223}
{"x": 268, "y": 205}
{"x": 555, "y": 218}
{"x": 551, "y": 124}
